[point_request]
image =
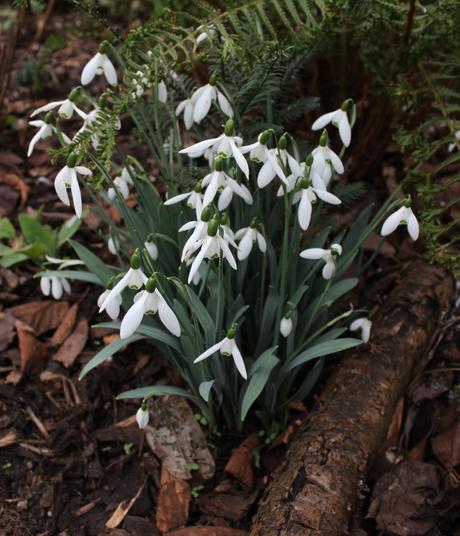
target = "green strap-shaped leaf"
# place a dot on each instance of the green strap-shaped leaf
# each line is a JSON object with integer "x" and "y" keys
{"x": 205, "y": 388}
{"x": 155, "y": 390}
{"x": 323, "y": 348}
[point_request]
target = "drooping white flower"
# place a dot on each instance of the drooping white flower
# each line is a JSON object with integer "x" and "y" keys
{"x": 307, "y": 196}
{"x": 122, "y": 183}
{"x": 227, "y": 347}
{"x": 247, "y": 238}
{"x": 151, "y": 247}
{"x": 162, "y": 91}
{"x": 142, "y": 417}
{"x": 149, "y": 301}
{"x": 218, "y": 180}
{"x": 97, "y": 65}
{"x": 203, "y": 97}
{"x": 113, "y": 306}
{"x": 194, "y": 198}
{"x": 186, "y": 107}
{"x": 45, "y": 130}
{"x": 327, "y": 255}
{"x": 225, "y": 144}
{"x": 55, "y": 286}
{"x": 286, "y": 326}
{"x": 66, "y": 108}
{"x": 403, "y": 216}
{"x": 215, "y": 242}
{"x": 133, "y": 279}
{"x": 364, "y": 325}
{"x": 112, "y": 245}
{"x": 339, "y": 118}
{"x": 67, "y": 178}
{"x": 325, "y": 160}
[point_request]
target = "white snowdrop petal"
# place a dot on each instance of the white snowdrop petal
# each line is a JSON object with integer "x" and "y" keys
{"x": 162, "y": 92}
{"x": 133, "y": 317}
{"x": 60, "y": 185}
{"x": 304, "y": 211}
{"x": 203, "y": 104}
{"x": 198, "y": 148}
{"x": 89, "y": 70}
{"x": 109, "y": 71}
{"x": 328, "y": 269}
{"x": 326, "y": 196}
{"x": 168, "y": 317}
{"x": 188, "y": 115}
{"x": 56, "y": 288}
{"x": 392, "y": 222}
{"x": 227, "y": 253}
{"x": 412, "y": 225}
{"x": 65, "y": 285}
{"x": 224, "y": 104}
{"x": 285, "y": 327}
{"x": 45, "y": 286}
{"x": 76, "y": 193}
{"x": 225, "y": 198}
{"x": 212, "y": 350}
{"x": 245, "y": 245}
{"x": 239, "y": 158}
{"x": 345, "y": 130}
{"x": 313, "y": 253}
{"x": 323, "y": 120}
{"x": 238, "y": 360}
{"x": 336, "y": 162}
{"x": 261, "y": 242}
{"x": 266, "y": 175}
{"x": 142, "y": 418}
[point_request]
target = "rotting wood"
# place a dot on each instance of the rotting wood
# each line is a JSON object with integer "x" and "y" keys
{"x": 314, "y": 490}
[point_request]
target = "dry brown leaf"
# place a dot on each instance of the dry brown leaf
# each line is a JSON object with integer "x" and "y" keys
{"x": 208, "y": 531}
{"x": 122, "y": 510}
{"x": 7, "y": 330}
{"x": 65, "y": 328}
{"x": 16, "y": 182}
{"x": 33, "y": 353}
{"x": 177, "y": 439}
{"x": 240, "y": 464}
{"x": 42, "y": 315}
{"x": 446, "y": 446}
{"x": 8, "y": 438}
{"x": 72, "y": 347}
{"x": 173, "y": 502}
{"x": 231, "y": 506}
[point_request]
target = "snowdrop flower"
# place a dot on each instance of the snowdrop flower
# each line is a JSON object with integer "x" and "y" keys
{"x": 454, "y": 145}
{"x": 151, "y": 247}
{"x": 327, "y": 255}
{"x": 204, "y": 35}
{"x": 227, "y": 347}
{"x": 67, "y": 178}
{"x": 203, "y": 97}
{"x": 307, "y": 196}
{"x": 149, "y": 301}
{"x": 142, "y": 416}
{"x": 186, "y": 107}
{"x": 219, "y": 180}
{"x": 339, "y": 118}
{"x": 66, "y": 107}
{"x": 403, "y": 216}
{"x": 113, "y": 307}
{"x": 194, "y": 198}
{"x": 97, "y": 65}
{"x": 325, "y": 159}
{"x": 364, "y": 325}
{"x": 286, "y": 326}
{"x": 162, "y": 92}
{"x": 45, "y": 130}
{"x": 55, "y": 286}
{"x": 200, "y": 230}
{"x": 247, "y": 237}
{"x": 133, "y": 279}
{"x": 274, "y": 160}
{"x": 226, "y": 143}
{"x": 122, "y": 184}
{"x": 211, "y": 247}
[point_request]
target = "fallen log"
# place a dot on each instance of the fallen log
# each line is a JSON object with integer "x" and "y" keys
{"x": 315, "y": 488}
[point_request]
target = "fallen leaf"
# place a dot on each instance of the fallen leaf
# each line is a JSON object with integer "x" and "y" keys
{"x": 240, "y": 464}
{"x": 8, "y": 438}
{"x": 173, "y": 502}
{"x": 41, "y": 316}
{"x": 231, "y": 506}
{"x": 7, "y": 331}
{"x": 125, "y": 431}
{"x": 402, "y": 500}
{"x": 74, "y": 344}
{"x": 16, "y": 182}
{"x": 122, "y": 510}
{"x": 33, "y": 353}
{"x": 208, "y": 531}
{"x": 14, "y": 377}
{"x": 446, "y": 446}
{"x": 177, "y": 439}
{"x": 65, "y": 327}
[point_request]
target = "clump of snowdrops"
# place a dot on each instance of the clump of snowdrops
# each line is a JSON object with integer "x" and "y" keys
{"x": 233, "y": 271}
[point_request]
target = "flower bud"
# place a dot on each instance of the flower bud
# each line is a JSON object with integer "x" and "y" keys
{"x": 197, "y": 187}
{"x": 223, "y": 219}
{"x": 206, "y": 213}
{"x": 324, "y": 139}
{"x": 49, "y": 118}
{"x": 212, "y": 227}
{"x": 264, "y": 137}
{"x": 71, "y": 160}
{"x": 232, "y": 331}
{"x": 142, "y": 417}
{"x": 219, "y": 163}
{"x": 101, "y": 103}
{"x": 285, "y": 326}
{"x": 304, "y": 182}
{"x": 229, "y": 127}
{"x": 282, "y": 142}
{"x": 135, "y": 260}
{"x": 74, "y": 94}
{"x": 309, "y": 160}
{"x": 151, "y": 284}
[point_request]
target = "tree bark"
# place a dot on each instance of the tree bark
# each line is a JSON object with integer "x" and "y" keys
{"x": 314, "y": 490}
